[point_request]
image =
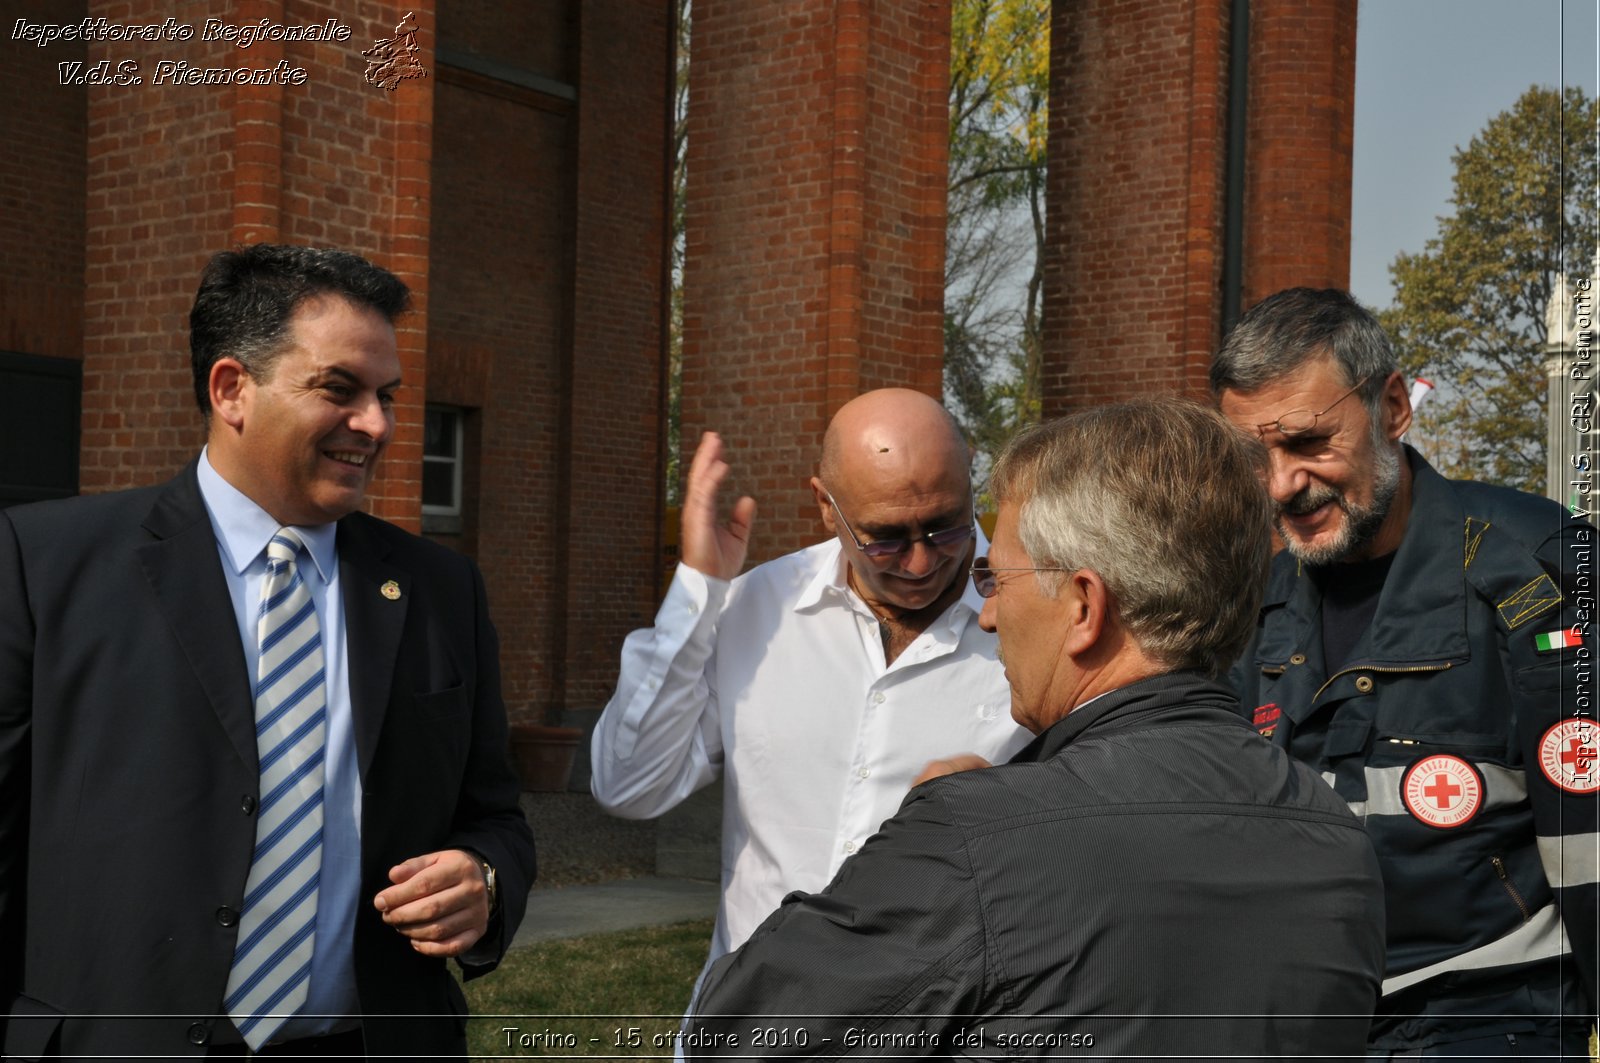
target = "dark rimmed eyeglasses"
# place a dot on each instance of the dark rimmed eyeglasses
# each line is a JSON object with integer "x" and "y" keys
{"x": 879, "y": 549}
{"x": 1297, "y": 423}
{"x": 985, "y": 580}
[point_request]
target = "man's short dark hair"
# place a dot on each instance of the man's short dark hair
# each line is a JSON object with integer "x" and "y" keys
{"x": 1284, "y": 331}
{"x": 247, "y": 298}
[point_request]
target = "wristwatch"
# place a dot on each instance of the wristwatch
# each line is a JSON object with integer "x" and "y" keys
{"x": 491, "y": 883}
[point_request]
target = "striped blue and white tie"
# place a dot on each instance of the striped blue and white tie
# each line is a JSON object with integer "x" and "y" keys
{"x": 277, "y": 928}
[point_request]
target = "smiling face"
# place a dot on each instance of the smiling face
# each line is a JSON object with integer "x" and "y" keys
{"x": 1333, "y": 488}
{"x": 304, "y": 442}
{"x": 895, "y": 465}
{"x": 904, "y": 509}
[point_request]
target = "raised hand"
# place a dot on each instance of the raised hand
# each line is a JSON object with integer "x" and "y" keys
{"x": 717, "y": 550}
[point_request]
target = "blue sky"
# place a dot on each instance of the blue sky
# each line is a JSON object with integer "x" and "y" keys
{"x": 1429, "y": 75}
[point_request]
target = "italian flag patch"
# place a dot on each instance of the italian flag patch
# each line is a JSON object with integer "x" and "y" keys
{"x": 1555, "y": 640}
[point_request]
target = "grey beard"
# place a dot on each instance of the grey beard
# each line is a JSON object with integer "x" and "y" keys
{"x": 1361, "y": 523}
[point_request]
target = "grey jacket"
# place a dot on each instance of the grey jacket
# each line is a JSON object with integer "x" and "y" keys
{"x": 1148, "y": 876}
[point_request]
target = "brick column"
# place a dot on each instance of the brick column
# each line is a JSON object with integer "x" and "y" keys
{"x": 815, "y": 227}
{"x": 178, "y": 171}
{"x": 1301, "y": 127}
{"x": 1133, "y": 251}
{"x": 1138, "y": 173}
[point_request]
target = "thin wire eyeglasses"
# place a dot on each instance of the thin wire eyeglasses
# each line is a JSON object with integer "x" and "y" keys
{"x": 983, "y": 577}
{"x": 879, "y": 549}
{"x": 1297, "y": 423}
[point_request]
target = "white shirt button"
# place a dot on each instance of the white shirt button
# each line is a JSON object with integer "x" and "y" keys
{"x": 693, "y": 608}
{"x": 864, "y": 772}
{"x": 878, "y": 698}
{"x": 850, "y": 846}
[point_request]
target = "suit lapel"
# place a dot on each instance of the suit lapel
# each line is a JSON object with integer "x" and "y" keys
{"x": 376, "y": 595}
{"x": 185, "y": 572}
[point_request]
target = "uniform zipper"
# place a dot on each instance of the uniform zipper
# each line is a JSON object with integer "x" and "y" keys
{"x": 1511, "y": 887}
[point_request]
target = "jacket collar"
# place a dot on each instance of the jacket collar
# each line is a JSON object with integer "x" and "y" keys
{"x": 376, "y": 595}
{"x": 183, "y": 568}
{"x": 1421, "y": 614}
{"x": 1130, "y": 706}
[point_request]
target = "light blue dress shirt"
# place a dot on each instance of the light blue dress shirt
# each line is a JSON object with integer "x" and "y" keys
{"x": 243, "y": 530}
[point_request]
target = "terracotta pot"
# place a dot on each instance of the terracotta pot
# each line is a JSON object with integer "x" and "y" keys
{"x": 543, "y": 755}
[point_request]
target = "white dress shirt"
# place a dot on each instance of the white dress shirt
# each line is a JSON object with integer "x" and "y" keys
{"x": 778, "y": 681}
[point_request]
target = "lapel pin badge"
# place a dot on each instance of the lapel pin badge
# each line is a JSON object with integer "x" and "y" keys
{"x": 390, "y": 590}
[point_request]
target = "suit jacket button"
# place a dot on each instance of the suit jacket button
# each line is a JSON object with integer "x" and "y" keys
{"x": 247, "y": 804}
{"x": 227, "y": 916}
{"x": 199, "y": 1033}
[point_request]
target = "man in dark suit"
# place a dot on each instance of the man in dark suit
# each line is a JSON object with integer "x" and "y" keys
{"x": 254, "y": 783}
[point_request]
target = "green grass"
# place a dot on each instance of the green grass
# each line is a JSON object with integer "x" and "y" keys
{"x": 586, "y": 996}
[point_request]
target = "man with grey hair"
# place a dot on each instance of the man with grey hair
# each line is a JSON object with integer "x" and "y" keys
{"x": 1108, "y": 889}
{"x": 1425, "y": 645}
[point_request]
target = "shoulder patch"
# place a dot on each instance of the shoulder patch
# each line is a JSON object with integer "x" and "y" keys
{"x": 1568, "y": 755}
{"x": 1265, "y": 719}
{"x": 1472, "y": 537}
{"x": 1535, "y": 598}
{"x": 1442, "y": 791}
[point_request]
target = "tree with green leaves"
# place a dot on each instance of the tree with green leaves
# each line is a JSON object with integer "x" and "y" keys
{"x": 1469, "y": 310}
{"x": 680, "y": 141}
{"x": 999, "y": 91}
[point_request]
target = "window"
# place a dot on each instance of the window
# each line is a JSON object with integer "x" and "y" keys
{"x": 39, "y": 407}
{"x": 442, "y": 447}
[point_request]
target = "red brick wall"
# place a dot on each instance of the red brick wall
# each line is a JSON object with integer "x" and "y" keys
{"x": 815, "y": 221}
{"x": 502, "y": 192}
{"x": 530, "y": 227}
{"x": 1302, "y": 118}
{"x": 1137, "y": 167}
{"x": 176, "y": 172}
{"x": 614, "y": 431}
{"x": 41, "y": 188}
{"x": 548, "y": 291}
{"x": 1138, "y": 121}
{"x": 159, "y": 197}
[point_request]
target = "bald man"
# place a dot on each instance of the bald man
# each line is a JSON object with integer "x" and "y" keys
{"x": 819, "y": 684}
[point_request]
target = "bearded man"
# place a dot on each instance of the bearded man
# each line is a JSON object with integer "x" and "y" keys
{"x": 1425, "y": 644}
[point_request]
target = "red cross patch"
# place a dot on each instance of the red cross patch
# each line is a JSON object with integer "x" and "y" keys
{"x": 1569, "y": 755}
{"x": 1442, "y": 791}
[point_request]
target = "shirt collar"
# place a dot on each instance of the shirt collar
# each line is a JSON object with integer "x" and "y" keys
{"x": 243, "y": 528}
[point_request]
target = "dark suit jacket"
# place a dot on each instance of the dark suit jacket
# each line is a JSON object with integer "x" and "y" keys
{"x": 128, "y": 771}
